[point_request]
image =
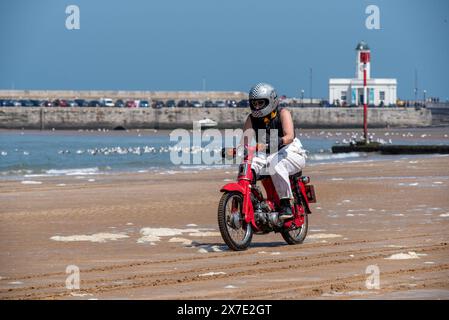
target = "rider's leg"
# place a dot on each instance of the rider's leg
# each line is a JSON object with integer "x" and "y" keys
{"x": 258, "y": 164}
{"x": 281, "y": 182}
{"x": 281, "y": 165}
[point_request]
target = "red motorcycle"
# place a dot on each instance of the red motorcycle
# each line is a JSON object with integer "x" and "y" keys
{"x": 243, "y": 210}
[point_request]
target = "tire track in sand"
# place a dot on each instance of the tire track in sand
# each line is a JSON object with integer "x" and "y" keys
{"x": 192, "y": 275}
{"x": 225, "y": 254}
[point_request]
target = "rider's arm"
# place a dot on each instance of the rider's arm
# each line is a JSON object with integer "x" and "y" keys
{"x": 287, "y": 127}
{"x": 248, "y": 132}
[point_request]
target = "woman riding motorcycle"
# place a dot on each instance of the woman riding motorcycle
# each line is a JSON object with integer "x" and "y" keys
{"x": 280, "y": 152}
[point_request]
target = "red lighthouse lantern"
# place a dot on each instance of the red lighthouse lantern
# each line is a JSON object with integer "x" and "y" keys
{"x": 364, "y": 57}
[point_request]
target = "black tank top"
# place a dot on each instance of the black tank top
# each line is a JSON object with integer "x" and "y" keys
{"x": 266, "y": 125}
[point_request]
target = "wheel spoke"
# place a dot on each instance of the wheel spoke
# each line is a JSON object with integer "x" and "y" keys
{"x": 233, "y": 208}
{"x": 296, "y": 232}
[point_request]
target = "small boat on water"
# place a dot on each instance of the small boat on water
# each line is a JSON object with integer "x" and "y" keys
{"x": 206, "y": 123}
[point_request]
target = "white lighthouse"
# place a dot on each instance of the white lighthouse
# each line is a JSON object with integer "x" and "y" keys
{"x": 346, "y": 92}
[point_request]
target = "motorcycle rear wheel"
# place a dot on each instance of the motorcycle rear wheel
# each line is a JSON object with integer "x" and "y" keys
{"x": 296, "y": 236}
{"x": 236, "y": 233}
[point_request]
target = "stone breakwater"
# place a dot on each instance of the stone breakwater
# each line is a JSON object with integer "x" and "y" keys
{"x": 171, "y": 118}
{"x": 121, "y": 94}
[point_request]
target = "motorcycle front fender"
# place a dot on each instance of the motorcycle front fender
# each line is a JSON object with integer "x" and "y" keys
{"x": 247, "y": 209}
{"x": 233, "y": 187}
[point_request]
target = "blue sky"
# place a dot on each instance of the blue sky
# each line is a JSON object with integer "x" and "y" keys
{"x": 232, "y": 44}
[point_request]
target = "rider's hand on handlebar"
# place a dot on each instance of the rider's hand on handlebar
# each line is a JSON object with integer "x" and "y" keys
{"x": 261, "y": 147}
{"x": 230, "y": 152}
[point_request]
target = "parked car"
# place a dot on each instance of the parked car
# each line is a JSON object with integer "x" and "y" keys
{"x": 220, "y": 104}
{"x": 143, "y": 104}
{"x": 195, "y": 104}
{"x": 157, "y": 104}
{"x": 35, "y": 103}
{"x": 71, "y": 103}
{"x": 231, "y": 103}
{"x": 94, "y": 103}
{"x": 243, "y": 104}
{"x": 60, "y": 103}
{"x": 4, "y": 103}
{"x": 13, "y": 103}
{"x": 208, "y": 104}
{"x": 46, "y": 103}
{"x": 106, "y": 102}
{"x": 170, "y": 104}
{"x": 182, "y": 104}
{"x": 283, "y": 104}
{"x": 131, "y": 104}
{"x": 81, "y": 102}
{"x": 119, "y": 103}
{"x": 25, "y": 103}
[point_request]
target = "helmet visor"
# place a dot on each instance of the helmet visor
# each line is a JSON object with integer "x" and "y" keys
{"x": 258, "y": 104}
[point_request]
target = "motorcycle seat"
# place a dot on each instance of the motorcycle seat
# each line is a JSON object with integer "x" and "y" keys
{"x": 296, "y": 175}
{"x": 292, "y": 176}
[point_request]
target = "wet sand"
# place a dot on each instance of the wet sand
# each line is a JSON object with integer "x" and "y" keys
{"x": 369, "y": 213}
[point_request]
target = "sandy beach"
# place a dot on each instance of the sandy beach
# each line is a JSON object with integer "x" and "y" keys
{"x": 116, "y": 124}
{"x": 155, "y": 236}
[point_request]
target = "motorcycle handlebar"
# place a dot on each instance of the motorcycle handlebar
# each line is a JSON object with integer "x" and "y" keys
{"x": 231, "y": 153}
{"x": 225, "y": 152}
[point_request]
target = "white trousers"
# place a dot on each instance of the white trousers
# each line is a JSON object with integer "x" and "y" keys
{"x": 287, "y": 161}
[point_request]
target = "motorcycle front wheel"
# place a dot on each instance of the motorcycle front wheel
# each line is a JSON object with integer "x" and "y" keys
{"x": 236, "y": 233}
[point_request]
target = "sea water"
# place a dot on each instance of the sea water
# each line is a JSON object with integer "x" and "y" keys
{"x": 54, "y": 153}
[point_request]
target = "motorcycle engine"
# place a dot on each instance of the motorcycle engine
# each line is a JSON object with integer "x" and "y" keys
{"x": 266, "y": 219}
{"x": 274, "y": 220}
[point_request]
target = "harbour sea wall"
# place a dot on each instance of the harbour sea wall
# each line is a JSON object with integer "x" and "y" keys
{"x": 121, "y": 94}
{"x": 440, "y": 113}
{"x": 47, "y": 118}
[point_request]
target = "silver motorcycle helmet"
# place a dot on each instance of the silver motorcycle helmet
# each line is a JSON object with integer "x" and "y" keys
{"x": 263, "y": 99}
